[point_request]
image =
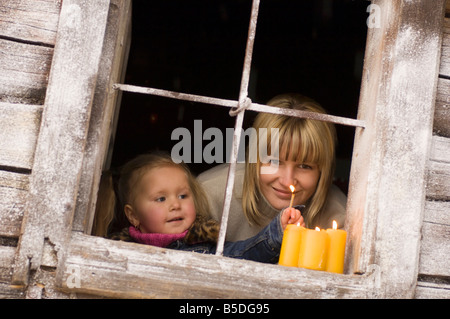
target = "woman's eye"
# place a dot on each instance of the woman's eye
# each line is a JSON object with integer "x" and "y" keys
{"x": 305, "y": 166}
{"x": 273, "y": 161}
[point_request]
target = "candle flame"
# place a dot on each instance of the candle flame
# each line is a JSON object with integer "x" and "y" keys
{"x": 317, "y": 228}
{"x": 334, "y": 224}
{"x": 292, "y": 188}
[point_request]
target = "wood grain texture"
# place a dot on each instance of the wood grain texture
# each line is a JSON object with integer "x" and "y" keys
{"x": 438, "y": 181}
{"x": 20, "y": 128}
{"x": 432, "y": 290}
{"x": 435, "y": 244}
{"x": 13, "y": 193}
{"x": 387, "y": 229}
{"x": 445, "y": 58}
{"x": 435, "y": 250}
{"x": 127, "y": 270}
{"x": 33, "y": 21}
{"x": 387, "y": 192}
{"x": 442, "y": 110}
{"x": 60, "y": 147}
{"x": 438, "y": 177}
{"x": 105, "y": 111}
{"x": 25, "y": 69}
{"x": 8, "y": 291}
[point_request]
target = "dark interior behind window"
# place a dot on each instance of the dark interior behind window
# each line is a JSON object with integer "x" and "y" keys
{"x": 311, "y": 47}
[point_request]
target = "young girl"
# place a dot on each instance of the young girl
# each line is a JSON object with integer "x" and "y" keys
{"x": 165, "y": 206}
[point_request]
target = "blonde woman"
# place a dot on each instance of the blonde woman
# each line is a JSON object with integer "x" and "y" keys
{"x": 306, "y": 161}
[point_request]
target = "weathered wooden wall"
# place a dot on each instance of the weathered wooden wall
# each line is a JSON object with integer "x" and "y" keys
{"x": 27, "y": 39}
{"x": 434, "y": 270}
{"x": 40, "y": 126}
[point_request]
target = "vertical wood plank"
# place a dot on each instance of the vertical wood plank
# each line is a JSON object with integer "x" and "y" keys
{"x": 391, "y": 154}
{"x": 59, "y": 154}
{"x": 104, "y": 110}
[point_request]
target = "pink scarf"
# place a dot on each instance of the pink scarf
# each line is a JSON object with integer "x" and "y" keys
{"x": 155, "y": 239}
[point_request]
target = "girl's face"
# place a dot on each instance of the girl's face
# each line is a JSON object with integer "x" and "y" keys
{"x": 275, "y": 185}
{"x": 164, "y": 202}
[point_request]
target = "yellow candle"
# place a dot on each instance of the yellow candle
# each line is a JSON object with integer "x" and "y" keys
{"x": 336, "y": 249}
{"x": 313, "y": 249}
{"x": 290, "y": 245}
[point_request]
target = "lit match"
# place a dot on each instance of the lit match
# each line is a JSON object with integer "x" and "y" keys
{"x": 293, "y": 195}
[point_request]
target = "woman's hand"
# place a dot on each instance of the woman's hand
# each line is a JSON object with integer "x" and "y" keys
{"x": 291, "y": 216}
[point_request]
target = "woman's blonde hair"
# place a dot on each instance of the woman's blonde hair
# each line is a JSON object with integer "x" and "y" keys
{"x": 113, "y": 197}
{"x": 300, "y": 140}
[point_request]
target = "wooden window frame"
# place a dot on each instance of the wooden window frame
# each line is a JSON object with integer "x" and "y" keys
{"x": 386, "y": 193}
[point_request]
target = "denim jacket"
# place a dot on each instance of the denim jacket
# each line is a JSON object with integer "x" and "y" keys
{"x": 263, "y": 247}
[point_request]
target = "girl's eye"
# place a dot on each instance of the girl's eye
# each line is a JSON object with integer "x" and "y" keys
{"x": 183, "y": 196}
{"x": 305, "y": 166}
{"x": 161, "y": 199}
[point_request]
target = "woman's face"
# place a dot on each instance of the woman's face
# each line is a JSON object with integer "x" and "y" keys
{"x": 275, "y": 185}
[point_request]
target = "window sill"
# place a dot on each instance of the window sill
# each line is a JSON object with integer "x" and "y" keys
{"x": 127, "y": 270}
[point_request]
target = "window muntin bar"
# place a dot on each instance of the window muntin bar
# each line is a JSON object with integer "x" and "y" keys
{"x": 230, "y": 183}
{"x": 234, "y": 104}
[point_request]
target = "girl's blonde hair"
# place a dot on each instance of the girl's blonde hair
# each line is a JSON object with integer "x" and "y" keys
{"x": 300, "y": 140}
{"x": 113, "y": 197}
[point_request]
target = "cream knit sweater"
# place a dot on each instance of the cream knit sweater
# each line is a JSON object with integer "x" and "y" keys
{"x": 214, "y": 182}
